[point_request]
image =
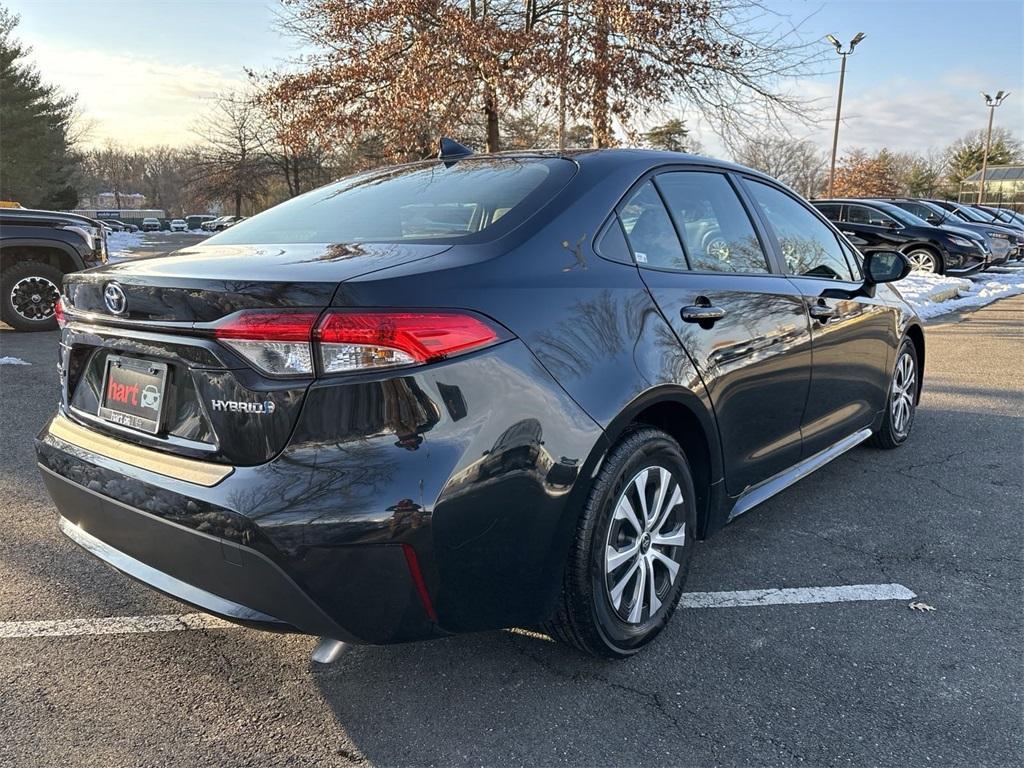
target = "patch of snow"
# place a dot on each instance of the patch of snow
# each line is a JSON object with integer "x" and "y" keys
{"x": 934, "y": 295}
{"x": 13, "y": 361}
{"x": 120, "y": 244}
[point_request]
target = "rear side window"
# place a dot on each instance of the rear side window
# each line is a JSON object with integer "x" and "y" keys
{"x": 466, "y": 201}
{"x": 649, "y": 230}
{"x": 808, "y": 246}
{"x": 718, "y": 234}
{"x": 861, "y": 214}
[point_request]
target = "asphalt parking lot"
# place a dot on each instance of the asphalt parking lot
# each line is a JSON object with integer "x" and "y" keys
{"x": 867, "y": 683}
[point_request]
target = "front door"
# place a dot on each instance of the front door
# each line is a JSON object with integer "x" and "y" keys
{"x": 854, "y": 336}
{"x": 876, "y": 229}
{"x": 745, "y": 329}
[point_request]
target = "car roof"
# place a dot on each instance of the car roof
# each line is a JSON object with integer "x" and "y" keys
{"x": 641, "y": 158}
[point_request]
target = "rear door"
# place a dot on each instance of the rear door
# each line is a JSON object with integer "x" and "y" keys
{"x": 745, "y": 329}
{"x": 854, "y": 336}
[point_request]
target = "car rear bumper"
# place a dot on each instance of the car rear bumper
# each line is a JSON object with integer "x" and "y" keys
{"x": 216, "y": 560}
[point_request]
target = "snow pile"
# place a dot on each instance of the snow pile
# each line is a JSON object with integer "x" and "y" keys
{"x": 933, "y": 295}
{"x": 12, "y": 361}
{"x": 120, "y": 244}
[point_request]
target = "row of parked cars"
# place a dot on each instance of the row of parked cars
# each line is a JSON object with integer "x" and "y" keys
{"x": 938, "y": 236}
{"x": 205, "y": 222}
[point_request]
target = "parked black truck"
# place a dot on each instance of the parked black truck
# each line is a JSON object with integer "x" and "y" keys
{"x": 37, "y": 248}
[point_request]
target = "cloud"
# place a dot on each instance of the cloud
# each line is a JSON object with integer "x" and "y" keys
{"x": 132, "y": 99}
{"x": 898, "y": 113}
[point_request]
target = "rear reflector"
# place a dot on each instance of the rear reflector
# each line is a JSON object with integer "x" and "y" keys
{"x": 417, "y": 579}
{"x": 352, "y": 341}
{"x": 284, "y": 343}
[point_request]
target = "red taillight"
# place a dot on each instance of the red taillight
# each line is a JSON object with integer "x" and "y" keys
{"x": 58, "y": 312}
{"x": 268, "y": 326}
{"x": 283, "y": 343}
{"x": 278, "y": 343}
{"x": 351, "y": 341}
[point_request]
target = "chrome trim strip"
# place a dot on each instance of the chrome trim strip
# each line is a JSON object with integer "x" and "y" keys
{"x": 158, "y": 579}
{"x": 190, "y": 470}
{"x": 780, "y": 482}
{"x": 177, "y": 442}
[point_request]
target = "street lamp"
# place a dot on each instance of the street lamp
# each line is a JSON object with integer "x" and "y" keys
{"x": 839, "y": 104}
{"x": 992, "y": 102}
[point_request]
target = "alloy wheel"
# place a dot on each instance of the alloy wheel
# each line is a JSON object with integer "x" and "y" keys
{"x": 645, "y": 538}
{"x": 34, "y": 298}
{"x": 904, "y": 388}
{"x": 923, "y": 261}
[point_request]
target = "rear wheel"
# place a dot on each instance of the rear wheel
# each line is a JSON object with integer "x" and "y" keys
{"x": 629, "y": 560}
{"x": 902, "y": 403}
{"x": 28, "y": 296}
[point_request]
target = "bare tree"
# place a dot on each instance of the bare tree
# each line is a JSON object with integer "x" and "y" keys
{"x": 113, "y": 168}
{"x": 232, "y": 164}
{"x": 800, "y": 164}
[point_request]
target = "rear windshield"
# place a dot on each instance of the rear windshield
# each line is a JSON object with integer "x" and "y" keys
{"x": 468, "y": 200}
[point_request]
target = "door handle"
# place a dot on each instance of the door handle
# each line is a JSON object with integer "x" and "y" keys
{"x": 845, "y": 232}
{"x": 703, "y": 312}
{"x": 821, "y": 311}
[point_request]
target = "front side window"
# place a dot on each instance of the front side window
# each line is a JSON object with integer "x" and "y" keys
{"x": 861, "y": 214}
{"x": 422, "y": 202}
{"x": 808, "y": 246}
{"x": 649, "y": 230}
{"x": 716, "y": 229}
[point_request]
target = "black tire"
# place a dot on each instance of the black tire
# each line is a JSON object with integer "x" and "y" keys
{"x": 894, "y": 432}
{"x": 20, "y": 286}
{"x": 587, "y": 616}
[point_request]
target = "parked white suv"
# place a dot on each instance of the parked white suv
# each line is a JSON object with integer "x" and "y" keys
{"x": 179, "y": 225}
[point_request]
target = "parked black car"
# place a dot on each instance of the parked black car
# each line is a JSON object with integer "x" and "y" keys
{"x": 472, "y": 393}
{"x": 970, "y": 213}
{"x": 120, "y": 226}
{"x": 37, "y": 248}
{"x": 882, "y": 226}
{"x": 221, "y": 223}
{"x": 1000, "y": 241}
{"x": 1001, "y": 216}
{"x": 151, "y": 224}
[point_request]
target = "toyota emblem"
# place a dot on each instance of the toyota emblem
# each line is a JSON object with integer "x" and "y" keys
{"x": 114, "y": 298}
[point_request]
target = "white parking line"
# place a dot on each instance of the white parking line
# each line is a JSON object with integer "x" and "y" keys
{"x": 795, "y": 596}
{"x": 127, "y": 625}
{"x": 113, "y": 625}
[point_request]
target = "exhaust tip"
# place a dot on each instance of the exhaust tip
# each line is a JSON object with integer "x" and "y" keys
{"x": 328, "y": 650}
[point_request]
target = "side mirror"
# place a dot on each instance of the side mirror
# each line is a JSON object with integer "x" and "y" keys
{"x": 885, "y": 267}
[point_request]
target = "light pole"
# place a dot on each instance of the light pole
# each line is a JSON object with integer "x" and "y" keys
{"x": 839, "y": 104}
{"x": 992, "y": 103}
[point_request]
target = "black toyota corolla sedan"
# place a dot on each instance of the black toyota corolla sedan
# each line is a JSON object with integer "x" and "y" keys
{"x": 469, "y": 393}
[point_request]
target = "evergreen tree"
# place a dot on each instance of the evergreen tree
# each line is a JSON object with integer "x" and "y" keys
{"x": 36, "y": 163}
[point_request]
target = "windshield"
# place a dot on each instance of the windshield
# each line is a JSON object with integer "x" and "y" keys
{"x": 1006, "y": 216}
{"x": 902, "y": 215}
{"x": 431, "y": 201}
{"x": 972, "y": 215}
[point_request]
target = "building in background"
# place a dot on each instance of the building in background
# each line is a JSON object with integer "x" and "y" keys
{"x": 1004, "y": 187}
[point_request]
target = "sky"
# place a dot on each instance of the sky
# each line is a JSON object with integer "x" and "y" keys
{"x": 145, "y": 71}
